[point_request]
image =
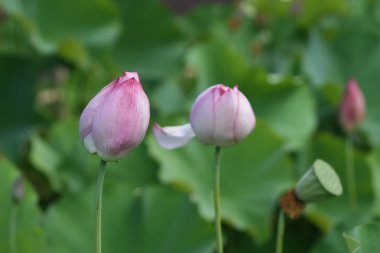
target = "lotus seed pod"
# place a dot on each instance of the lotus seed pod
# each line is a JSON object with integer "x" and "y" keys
{"x": 318, "y": 183}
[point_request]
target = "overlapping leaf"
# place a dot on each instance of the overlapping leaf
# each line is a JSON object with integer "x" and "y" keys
{"x": 156, "y": 219}
{"x": 248, "y": 170}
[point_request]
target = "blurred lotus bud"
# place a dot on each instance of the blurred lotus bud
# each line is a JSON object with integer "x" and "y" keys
{"x": 318, "y": 183}
{"x": 220, "y": 116}
{"x": 18, "y": 190}
{"x": 115, "y": 121}
{"x": 296, "y": 7}
{"x": 353, "y": 108}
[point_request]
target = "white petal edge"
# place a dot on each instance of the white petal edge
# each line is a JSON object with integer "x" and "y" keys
{"x": 89, "y": 144}
{"x": 172, "y": 137}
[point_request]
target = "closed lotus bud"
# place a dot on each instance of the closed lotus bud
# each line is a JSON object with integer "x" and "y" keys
{"x": 318, "y": 183}
{"x": 220, "y": 116}
{"x": 115, "y": 121}
{"x": 353, "y": 108}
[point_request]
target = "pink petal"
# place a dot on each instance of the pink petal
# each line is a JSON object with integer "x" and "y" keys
{"x": 173, "y": 136}
{"x": 89, "y": 144}
{"x": 202, "y": 117}
{"x": 245, "y": 120}
{"x": 88, "y": 112}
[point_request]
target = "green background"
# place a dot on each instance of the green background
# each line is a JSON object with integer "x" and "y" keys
{"x": 292, "y": 60}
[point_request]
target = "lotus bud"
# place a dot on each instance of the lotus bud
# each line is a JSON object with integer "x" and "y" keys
{"x": 18, "y": 190}
{"x": 318, "y": 183}
{"x": 115, "y": 121}
{"x": 353, "y": 108}
{"x": 220, "y": 116}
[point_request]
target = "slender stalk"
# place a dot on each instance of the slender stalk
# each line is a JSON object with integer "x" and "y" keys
{"x": 218, "y": 220}
{"x": 350, "y": 172}
{"x": 98, "y": 207}
{"x": 280, "y": 232}
{"x": 13, "y": 229}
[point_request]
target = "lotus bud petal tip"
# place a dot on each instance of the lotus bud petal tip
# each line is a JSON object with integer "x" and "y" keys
{"x": 353, "y": 107}
{"x": 115, "y": 121}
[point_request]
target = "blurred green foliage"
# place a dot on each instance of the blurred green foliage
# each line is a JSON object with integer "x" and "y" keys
{"x": 291, "y": 58}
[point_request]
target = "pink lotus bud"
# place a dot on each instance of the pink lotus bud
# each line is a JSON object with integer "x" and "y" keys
{"x": 115, "y": 121}
{"x": 352, "y": 109}
{"x": 220, "y": 116}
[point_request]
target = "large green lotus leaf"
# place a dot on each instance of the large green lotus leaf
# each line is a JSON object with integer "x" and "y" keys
{"x": 93, "y": 23}
{"x": 363, "y": 239}
{"x": 45, "y": 159}
{"x": 136, "y": 169}
{"x": 150, "y": 42}
{"x": 207, "y": 21}
{"x": 253, "y": 175}
{"x": 29, "y": 233}
{"x": 374, "y": 160}
{"x": 155, "y": 219}
{"x": 329, "y": 212}
{"x": 169, "y": 98}
{"x": 332, "y": 241}
{"x": 279, "y": 104}
{"x": 214, "y": 63}
{"x": 319, "y": 62}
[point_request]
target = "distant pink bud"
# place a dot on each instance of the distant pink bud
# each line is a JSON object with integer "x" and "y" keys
{"x": 222, "y": 116}
{"x": 353, "y": 108}
{"x": 115, "y": 121}
{"x": 18, "y": 190}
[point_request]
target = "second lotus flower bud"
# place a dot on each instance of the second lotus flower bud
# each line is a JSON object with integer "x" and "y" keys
{"x": 115, "y": 121}
{"x": 353, "y": 108}
{"x": 220, "y": 116}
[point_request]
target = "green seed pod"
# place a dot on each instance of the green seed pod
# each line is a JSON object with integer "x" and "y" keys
{"x": 318, "y": 183}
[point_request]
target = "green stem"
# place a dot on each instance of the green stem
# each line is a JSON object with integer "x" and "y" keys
{"x": 350, "y": 171}
{"x": 13, "y": 229}
{"x": 280, "y": 232}
{"x": 218, "y": 220}
{"x": 98, "y": 206}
